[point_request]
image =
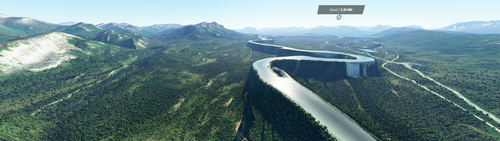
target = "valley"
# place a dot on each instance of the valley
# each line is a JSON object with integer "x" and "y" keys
{"x": 322, "y": 86}
{"x": 337, "y": 124}
{"x": 203, "y": 81}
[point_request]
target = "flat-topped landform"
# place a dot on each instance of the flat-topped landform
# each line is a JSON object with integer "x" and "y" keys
{"x": 337, "y": 123}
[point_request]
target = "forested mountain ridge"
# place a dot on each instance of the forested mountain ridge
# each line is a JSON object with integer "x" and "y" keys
{"x": 140, "y": 92}
{"x": 14, "y": 27}
{"x": 86, "y": 82}
{"x": 201, "y": 31}
{"x": 144, "y": 30}
{"x": 123, "y": 34}
{"x": 120, "y": 38}
{"x": 81, "y": 29}
{"x": 23, "y": 25}
{"x": 45, "y": 69}
{"x": 161, "y": 27}
{"x": 128, "y": 40}
{"x": 5, "y": 36}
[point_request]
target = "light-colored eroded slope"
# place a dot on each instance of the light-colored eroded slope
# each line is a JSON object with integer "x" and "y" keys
{"x": 37, "y": 53}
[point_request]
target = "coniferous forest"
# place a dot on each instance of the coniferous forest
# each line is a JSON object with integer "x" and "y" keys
{"x": 196, "y": 82}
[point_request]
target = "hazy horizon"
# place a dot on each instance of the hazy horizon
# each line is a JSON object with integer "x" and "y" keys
{"x": 258, "y": 14}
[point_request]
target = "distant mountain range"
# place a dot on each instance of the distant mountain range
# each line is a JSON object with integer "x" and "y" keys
{"x": 396, "y": 30}
{"x": 119, "y": 37}
{"x": 22, "y": 25}
{"x": 68, "y": 23}
{"x": 120, "y": 34}
{"x": 28, "y": 26}
{"x": 145, "y": 30}
{"x": 477, "y": 27}
{"x": 117, "y": 81}
{"x": 21, "y": 29}
{"x": 322, "y": 30}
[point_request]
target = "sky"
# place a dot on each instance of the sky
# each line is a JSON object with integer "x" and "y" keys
{"x": 238, "y": 14}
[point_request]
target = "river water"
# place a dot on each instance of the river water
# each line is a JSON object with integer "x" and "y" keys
{"x": 337, "y": 123}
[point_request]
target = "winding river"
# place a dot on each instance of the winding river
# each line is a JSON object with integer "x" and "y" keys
{"x": 337, "y": 123}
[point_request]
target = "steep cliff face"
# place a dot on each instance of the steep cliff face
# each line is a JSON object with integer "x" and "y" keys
{"x": 319, "y": 70}
{"x": 36, "y": 53}
{"x": 362, "y": 69}
{"x": 344, "y": 65}
{"x": 275, "y": 94}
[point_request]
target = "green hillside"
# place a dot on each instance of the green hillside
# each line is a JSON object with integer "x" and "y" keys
{"x": 157, "y": 28}
{"x": 17, "y": 125}
{"x": 26, "y": 26}
{"x": 176, "y": 91}
{"x": 391, "y": 108}
{"x": 6, "y": 36}
{"x": 467, "y": 63}
{"x": 128, "y": 40}
{"x": 11, "y": 31}
{"x": 163, "y": 33}
{"x": 395, "y": 31}
{"x": 189, "y": 83}
{"x": 148, "y": 31}
{"x": 113, "y": 37}
{"x": 202, "y": 31}
{"x": 81, "y": 29}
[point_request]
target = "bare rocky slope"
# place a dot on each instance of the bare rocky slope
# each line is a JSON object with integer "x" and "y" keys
{"x": 37, "y": 53}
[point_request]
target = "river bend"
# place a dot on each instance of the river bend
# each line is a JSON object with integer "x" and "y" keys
{"x": 337, "y": 123}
